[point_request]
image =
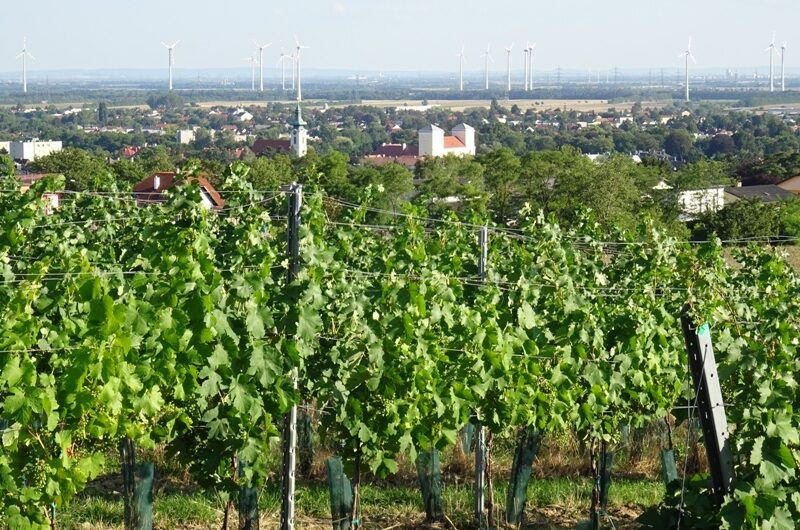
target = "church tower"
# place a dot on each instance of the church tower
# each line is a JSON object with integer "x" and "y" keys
{"x": 299, "y": 138}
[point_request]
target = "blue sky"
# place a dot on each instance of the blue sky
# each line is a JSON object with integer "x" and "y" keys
{"x": 384, "y": 35}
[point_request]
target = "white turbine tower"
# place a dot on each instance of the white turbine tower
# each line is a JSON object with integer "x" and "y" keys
{"x": 686, "y": 55}
{"x": 253, "y": 62}
{"x": 24, "y": 54}
{"x": 282, "y": 62}
{"x": 531, "y": 47}
{"x": 293, "y": 57}
{"x": 488, "y": 57}
{"x": 525, "y": 52}
{"x": 298, "y": 47}
{"x": 772, "y": 52}
{"x": 783, "y": 71}
{"x": 461, "y": 61}
{"x": 261, "y": 48}
{"x": 170, "y": 47}
{"x": 508, "y": 67}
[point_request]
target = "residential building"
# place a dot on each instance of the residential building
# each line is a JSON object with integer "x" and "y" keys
{"x": 694, "y": 203}
{"x": 151, "y": 190}
{"x": 185, "y": 136}
{"x": 792, "y": 184}
{"x": 765, "y": 193}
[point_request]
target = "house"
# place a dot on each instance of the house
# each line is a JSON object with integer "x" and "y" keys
{"x": 792, "y": 184}
{"x": 132, "y": 151}
{"x": 765, "y": 193}
{"x": 242, "y": 115}
{"x": 185, "y": 136}
{"x": 395, "y": 150}
{"x": 694, "y": 203}
{"x": 30, "y": 150}
{"x": 151, "y": 190}
{"x": 51, "y": 200}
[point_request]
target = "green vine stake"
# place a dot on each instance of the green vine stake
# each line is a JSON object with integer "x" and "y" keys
{"x": 137, "y": 488}
{"x": 247, "y": 502}
{"x": 341, "y": 494}
{"x": 305, "y": 444}
{"x": 429, "y": 474}
{"x": 527, "y": 446}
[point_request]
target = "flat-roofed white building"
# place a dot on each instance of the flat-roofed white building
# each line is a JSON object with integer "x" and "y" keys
{"x": 30, "y": 150}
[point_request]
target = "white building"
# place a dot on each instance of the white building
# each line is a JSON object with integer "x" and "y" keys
{"x": 185, "y": 136}
{"x": 5, "y": 146}
{"x": 694, "y": 203}
{"x": 30, "y": 150}
{"x": 434, "y": 143}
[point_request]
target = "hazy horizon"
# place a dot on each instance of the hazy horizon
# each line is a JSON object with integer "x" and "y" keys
{"x": 410, "y": 36}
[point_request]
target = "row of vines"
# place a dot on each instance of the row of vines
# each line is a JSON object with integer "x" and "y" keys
{"x": 174, "y": 325}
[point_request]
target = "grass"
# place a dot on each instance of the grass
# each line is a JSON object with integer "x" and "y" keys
{"x": 552, "y": 503}
{"x": 559, "y": 494}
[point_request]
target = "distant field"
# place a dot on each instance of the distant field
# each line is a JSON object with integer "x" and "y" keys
{"x": 581, "y": 105}
{"x": 459, "y": 105}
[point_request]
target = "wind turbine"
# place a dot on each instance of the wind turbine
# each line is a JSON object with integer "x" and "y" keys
{"x": 783, "y": 72}
{"x": 261, "y": 48}
{"x": 297, "y": 60}
{"x": 282, "y": 62}
{"x": 24, "y": 56}
{"x": 525, "y": 52}
{"x": 531, "y": 47}
{"x": 253, "y": 62}
{"x": 508, "y": 67}
{"x": 170, "y": 47}
{"x": 772, "y": 52}
{"x": 461, "y": 61}
{"x": 686, "y": 55}
{"x": 488, "y": 57}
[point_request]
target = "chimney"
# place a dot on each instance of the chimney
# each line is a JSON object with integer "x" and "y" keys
{"x": 156, "y": 182}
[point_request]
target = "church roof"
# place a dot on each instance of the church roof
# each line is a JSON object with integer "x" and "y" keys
{"x": 451, "y": 142}
{"x": 297, "y": 120}
{"x": 430, "y": 128}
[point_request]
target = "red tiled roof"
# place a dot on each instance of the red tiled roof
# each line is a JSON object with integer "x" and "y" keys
{"x": 30, "y": 178}
{"x": 408, "y": 161}
{"x": 451, "y": 142}
{"x": 262, "y": 145}
{"x": 129, "y": 152}
{"x": 396, "y": 150}
{"x": 146, "y": 191}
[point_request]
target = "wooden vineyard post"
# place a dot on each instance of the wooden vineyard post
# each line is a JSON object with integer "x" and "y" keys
{"x": 709, "y": 403}
{"x": 137, "y": 488}
{"x": 480, "y": 434}
{"x": 290, "y": 421}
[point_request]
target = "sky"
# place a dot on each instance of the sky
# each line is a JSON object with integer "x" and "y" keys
{"x": 398, "y": 35}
